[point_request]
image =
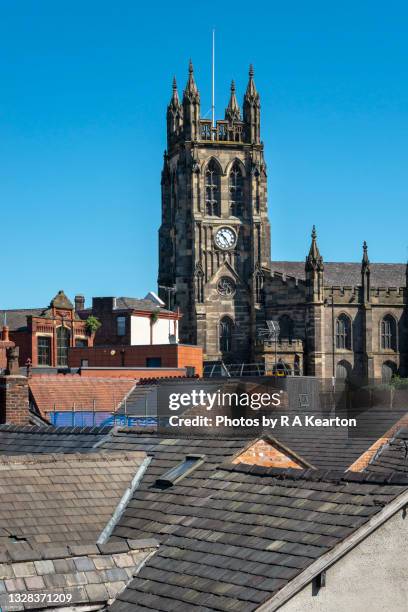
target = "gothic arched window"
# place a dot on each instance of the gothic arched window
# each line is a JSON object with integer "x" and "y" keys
{"x": 286, "y": 327}
{"x": 236, "y": 190}
{"x": 225, "y": 335}
{"x": 213, "y": 189}
{"x": 343, "y": 332}
{"x": 388, "y": 333}
{"x": 63, "y": 338}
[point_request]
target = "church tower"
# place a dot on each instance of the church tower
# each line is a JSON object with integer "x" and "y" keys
{"x": 214, "y": 239}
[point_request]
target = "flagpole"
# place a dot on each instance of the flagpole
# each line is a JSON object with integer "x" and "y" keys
{"x": 213, "y": 83}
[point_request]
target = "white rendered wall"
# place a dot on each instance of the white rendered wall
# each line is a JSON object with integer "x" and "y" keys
{"x": 373, "y": 577}
{"x": 140, "y": 330}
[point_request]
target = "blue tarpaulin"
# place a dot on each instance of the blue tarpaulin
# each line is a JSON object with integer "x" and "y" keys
{"x": 92, "y": 419}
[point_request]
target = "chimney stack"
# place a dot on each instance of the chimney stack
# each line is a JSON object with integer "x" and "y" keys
{"x": 14, "y": 398}
{"x": 5, "y": 334}
{"x": 79, "y": 302}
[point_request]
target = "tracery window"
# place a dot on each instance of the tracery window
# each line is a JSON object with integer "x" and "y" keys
{"x": 213, "y": 189}
{"x": 388, "y": 332}
{"x": 236, "y": 190}
{"x": 343, "y": 332}
{"x": 225, "y": 334}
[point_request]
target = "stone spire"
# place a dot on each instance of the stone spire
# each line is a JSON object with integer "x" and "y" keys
{"x": 365, "y": 262}
{"x": 175, "y": 102}
{"x": 251, "y": 93}
{"x": 232, "y": 112}
{"x": 174, "y": 116}
{"x": 252, "y": 111}
{"x": 191, "y": 90}
{"x": 191, "y": 107}
{"x": 365, "y": 273}
{"x": 314, "y": 261}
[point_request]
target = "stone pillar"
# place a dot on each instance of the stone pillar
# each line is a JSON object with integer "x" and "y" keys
{"x": 14, "y": 402}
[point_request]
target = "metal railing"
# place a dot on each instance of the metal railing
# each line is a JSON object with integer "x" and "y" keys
{"x": 245, "y": 369}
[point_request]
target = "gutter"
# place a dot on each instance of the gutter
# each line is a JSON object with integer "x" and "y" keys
{"x": 120, "y": 508}
{"x": 325, "y": 561}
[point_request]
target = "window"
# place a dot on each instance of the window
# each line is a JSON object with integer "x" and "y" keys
{"x": 286, "y": 327}
{"x": 225, "y": 334}
{"x": 153, "y": 362}
{"x": 81, "y": 343}
{"x": 212, "y": 189}
{"x": 343, "y": 332}
{"x": 236, "y": 190}
{"x": 44, "y": 350}
{"x": 63, "y": 337}
{"x": 121, "y": 326}
{"x": 388, "y": 332}
{"x": 190, "y": 463}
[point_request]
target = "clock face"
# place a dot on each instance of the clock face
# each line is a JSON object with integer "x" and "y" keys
{"x": 225, "y": 238}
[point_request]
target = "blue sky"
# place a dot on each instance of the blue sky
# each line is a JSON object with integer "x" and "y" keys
{"x": 83, "y": 94}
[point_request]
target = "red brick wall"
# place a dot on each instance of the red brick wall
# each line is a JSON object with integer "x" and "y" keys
{"x": 190, "y": 356}
{"x": 3, "y": 353}
{"x": 23, "y": 341}
{"x": 27, "y": 340}
{"x": 171, "y": 355}
{"x": 264, "y": 453}
{"x": 14, "y": 402}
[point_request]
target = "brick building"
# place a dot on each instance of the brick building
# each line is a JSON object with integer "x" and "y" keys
{"x": 344, "y": 320}
{"x": 44, "y": 335}
{"x": 154, "y": 357}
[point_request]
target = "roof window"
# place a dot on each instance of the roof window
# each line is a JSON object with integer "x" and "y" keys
{"x": 175, "y": 474}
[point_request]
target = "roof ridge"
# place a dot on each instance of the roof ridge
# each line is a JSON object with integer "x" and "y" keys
{"x": 23, "y": 309}
{"x": 92, "y": 457}
{"x": 68, "y": 429}
{"x": 319, "y": 475}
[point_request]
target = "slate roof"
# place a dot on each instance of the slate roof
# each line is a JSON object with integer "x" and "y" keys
{"x": 15, "y": 440}
{"x": 17, "y": 318}
{"x": 348, "y": 274}
{"x": 153, "y": 512}
{"x": 337, "y": 447}
{"x": 89, "y": 574}
{"x": 61, "y": 392}
{"x": 62, "y": 499}
{"x": 138, "y": 304}
{"x": 393, "y": 456}
{"x": 249, "y": 531}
